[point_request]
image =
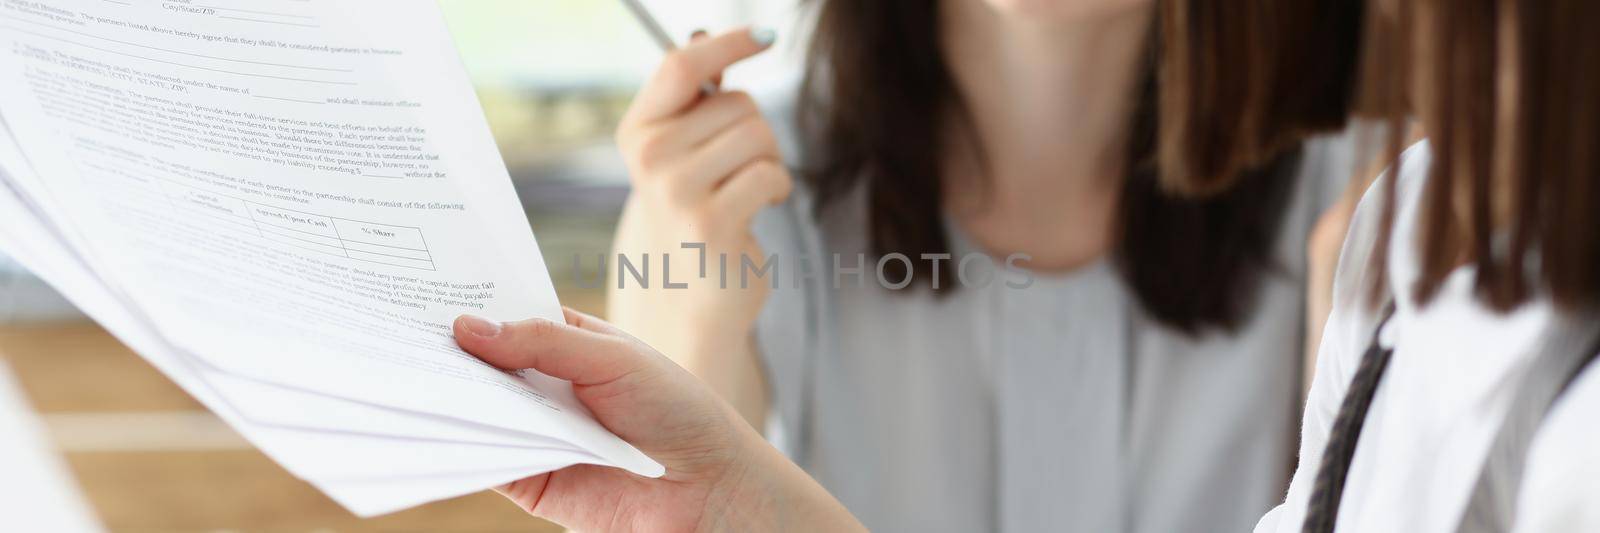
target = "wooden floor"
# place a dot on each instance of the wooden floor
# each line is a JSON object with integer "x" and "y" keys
{"x": 150, "y": 458}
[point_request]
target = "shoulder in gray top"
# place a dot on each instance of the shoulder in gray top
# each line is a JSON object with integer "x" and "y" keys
{"x": 1059, "y": 407}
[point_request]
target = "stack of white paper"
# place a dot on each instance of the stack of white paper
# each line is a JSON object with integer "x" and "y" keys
{"x": 283, "y": 206}
{"x": 37, "y": 492}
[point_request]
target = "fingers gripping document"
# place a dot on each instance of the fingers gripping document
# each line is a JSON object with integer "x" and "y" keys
{"x": 283, "y": 208}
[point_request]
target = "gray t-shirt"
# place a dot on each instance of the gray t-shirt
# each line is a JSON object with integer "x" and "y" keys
{"x": 1059, "y": 407}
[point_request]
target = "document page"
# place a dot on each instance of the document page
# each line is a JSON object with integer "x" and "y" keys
{"x": 393, "y": 473}
{"x": 298, "y": 196}
{"x": 37, "y": 493}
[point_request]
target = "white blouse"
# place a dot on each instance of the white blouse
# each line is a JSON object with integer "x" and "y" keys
{"x": 1451, "y": 379}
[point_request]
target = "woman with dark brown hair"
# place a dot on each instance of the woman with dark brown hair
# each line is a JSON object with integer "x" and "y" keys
{"x": 978, "y": 309}
{"x": 1456, "y": 388}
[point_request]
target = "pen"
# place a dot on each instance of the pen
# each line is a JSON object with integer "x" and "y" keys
{"x": 659, "y": 34}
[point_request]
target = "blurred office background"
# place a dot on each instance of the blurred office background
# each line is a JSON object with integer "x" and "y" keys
{"x": 554, "y": 76}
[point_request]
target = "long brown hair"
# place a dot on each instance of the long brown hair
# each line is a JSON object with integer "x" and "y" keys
{"x": 1244, "y": 80}
{"x": 876, "y": 83}
{"x": 1510, "y": 94}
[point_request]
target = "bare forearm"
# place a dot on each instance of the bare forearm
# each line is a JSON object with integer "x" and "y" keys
{"x": 723, "y": 356}
{"x": 731, "y": 366}
{"x": 774, "y": 494}
{"x": 737, "y": 377}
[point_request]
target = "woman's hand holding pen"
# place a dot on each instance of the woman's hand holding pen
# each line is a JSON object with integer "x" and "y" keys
{"x": 702, "y": 166}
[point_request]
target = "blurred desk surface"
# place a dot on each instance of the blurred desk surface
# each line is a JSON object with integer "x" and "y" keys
{"x": 150, "y": 458}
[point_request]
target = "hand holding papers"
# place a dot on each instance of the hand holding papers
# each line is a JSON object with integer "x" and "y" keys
{"x": 283, "y": 209}
{"x": 723, "y": 476}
